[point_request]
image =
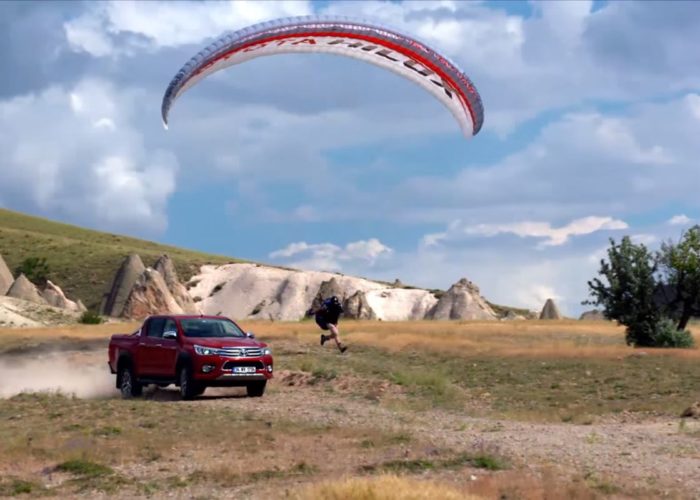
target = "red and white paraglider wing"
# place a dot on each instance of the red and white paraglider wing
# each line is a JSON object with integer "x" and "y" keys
{"x": 383, "y": 47}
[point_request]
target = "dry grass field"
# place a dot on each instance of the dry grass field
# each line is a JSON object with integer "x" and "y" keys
{"x": 559, "y": 409}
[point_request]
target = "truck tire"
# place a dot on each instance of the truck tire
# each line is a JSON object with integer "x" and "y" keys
{"x": 256, "y": 389}
{"x": 189, "y": 388}
{"x": 129, "y": 386}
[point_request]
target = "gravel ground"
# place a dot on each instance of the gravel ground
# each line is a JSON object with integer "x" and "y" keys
{"x": 660, "y": 455}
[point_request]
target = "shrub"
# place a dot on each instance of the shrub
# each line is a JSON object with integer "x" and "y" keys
{"x": 36, "y": 269}
{"x": 667, "y": 335}
{"x": 80, "y": 467}
{"x": 90, "y": 318}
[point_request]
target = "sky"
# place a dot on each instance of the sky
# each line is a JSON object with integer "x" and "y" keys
{"x": 591, "y": 132}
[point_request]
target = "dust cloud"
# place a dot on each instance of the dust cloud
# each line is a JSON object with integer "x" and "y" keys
{"x": 80, "y": 374}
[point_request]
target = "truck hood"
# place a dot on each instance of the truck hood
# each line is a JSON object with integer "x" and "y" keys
{"x": 229, "y": 342}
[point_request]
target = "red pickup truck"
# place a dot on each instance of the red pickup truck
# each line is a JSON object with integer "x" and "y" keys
{"x": 192, "y": 352}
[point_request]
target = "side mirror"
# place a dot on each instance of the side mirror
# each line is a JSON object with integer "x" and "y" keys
{"x": 170, "y": 335}
{"x": 250, "y": 335}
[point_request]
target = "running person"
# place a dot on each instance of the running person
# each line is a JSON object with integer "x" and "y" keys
{"x": 327, "y": 315}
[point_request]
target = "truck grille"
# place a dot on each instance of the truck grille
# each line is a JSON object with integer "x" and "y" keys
{"x": 241, "y": 352}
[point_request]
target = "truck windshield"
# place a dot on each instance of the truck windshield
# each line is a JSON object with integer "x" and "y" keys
{"x": 206, "y": 327}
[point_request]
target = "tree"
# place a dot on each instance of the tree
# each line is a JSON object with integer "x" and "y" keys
{"x": 680, "y": 266}
{"x": 653, "y": 295}
{"x": 628, "y": 296}
{"x": 36, "y": 269}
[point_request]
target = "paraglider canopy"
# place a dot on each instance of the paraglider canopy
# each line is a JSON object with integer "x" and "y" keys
{"x": 367, "y": 41}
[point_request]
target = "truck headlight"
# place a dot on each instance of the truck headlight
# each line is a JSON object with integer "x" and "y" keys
{"x": 267, "y": 351}
{"x": 206, "y": 351}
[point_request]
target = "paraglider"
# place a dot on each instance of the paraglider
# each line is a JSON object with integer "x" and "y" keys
{"x": 367, "y": 41}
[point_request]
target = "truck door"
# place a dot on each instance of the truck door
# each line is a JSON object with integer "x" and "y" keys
{"x": 166, "y": 356}
{"x": 150, "y": 342}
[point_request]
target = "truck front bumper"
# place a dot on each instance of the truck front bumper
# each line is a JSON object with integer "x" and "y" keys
{"x": 219, "y": 370}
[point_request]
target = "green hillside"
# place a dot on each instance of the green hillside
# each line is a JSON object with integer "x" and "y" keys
{"x": 83, "y": 262}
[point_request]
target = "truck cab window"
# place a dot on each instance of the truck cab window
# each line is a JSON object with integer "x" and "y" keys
{"x": 155, "y": 327}
{"x": 170, "y": 326}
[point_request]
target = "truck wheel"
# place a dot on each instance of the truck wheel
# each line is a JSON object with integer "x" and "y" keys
{"x": 256, "y": 389}
{"x": 128, "y": 384}
{"x": 189, "y": 389}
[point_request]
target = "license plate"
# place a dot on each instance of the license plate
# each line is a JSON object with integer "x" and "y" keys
{"x": 243, "y": 369}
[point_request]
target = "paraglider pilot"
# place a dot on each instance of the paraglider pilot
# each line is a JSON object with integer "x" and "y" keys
{"x": 327, "y": 315}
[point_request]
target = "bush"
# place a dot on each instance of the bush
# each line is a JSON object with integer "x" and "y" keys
{"x": 667, "y": 335}
{"x": 90, "y": 318}
{"x": 36, "y": 269}
{"x": 85, "y": 468}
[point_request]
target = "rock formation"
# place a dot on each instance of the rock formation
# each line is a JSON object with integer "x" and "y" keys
{"x": 401, "y": 304}
{"x": 243, "y": 290}
{"x": 164, "y": 265}
{"x": 128, "y": 274}
{"x": 150, "y": 295}
{"x": 550, "y": 310}
{"x": 328, "y": 289}
{"x": 55, "y": 297}
{"x": 24, "y": 289}
{"x": 138, "y": 291}
{"x": 462, "y": 301}
{"x": 512, "y": 316}
{"x": 357, "y": 307}
{"x": 6, "y": 278}
{"x": 20, "y": 313}
{"x": 593, "y": 315}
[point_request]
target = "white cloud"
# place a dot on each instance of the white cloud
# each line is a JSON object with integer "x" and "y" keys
{"x": 433, "y": 239}
{"x": 369, "y": 250}
{"x": 533, "y": 296}
{"x": 105, "y": 123}
{"x": 320, "y": 249}
{"x": 616, "y": 138}
{"x": 87, "y": 34}
{"x": 157, "y": 24}
{"x": 305, "y": 213}
{"x": 554, "y": 236}
{"x": 331, "y": 257}
{"x": 680, "y": 220}
{"x": 644, "y": 239}
{"x": 75, "y": 153}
